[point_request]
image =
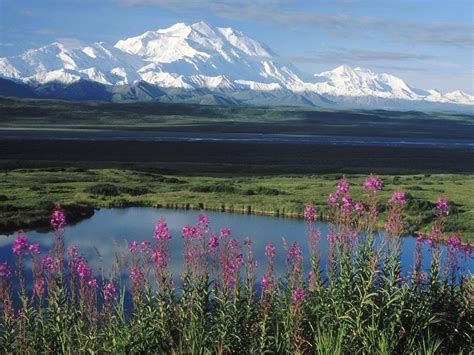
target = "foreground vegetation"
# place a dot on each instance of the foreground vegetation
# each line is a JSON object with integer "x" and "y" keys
{"x": 359, "y": 302}
{"x": 27, "y": 196}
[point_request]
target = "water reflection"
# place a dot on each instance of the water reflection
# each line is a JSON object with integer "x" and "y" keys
{"x": 96, "y": 237}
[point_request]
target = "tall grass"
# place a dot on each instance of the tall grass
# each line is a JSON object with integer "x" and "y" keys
{"x": 360, "y": 302}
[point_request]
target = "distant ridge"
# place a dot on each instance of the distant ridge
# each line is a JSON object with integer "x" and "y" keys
{"x": 200, "y": 63}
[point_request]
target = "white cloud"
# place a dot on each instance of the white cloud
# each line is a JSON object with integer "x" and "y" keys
{"x": 336, "y": 24}
{"x": 46, "y": 31}
{"x": 27, "y": 13}
{"x": 70, "y": 43}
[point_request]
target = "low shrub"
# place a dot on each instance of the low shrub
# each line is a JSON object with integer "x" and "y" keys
{"x": 135, "y": 191}
{"x": 261, "y": 190}
{"x": 104, "y": 190}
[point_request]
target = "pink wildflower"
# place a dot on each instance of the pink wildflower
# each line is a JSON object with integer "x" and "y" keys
{"x": 20, "y": 246}
{"x": 310, "y": 212}
{"x": 137, "y": 274}
{"x": 442, "y": 207}
{"x": 34, "y": 249}
{"x": 158, "y": 259}
{"x": 295, "y": 251}
{"x": 346, "y": 204}
{"x": 298, "y": 295}
{"x": 50, "y": 263}
{"x": 466, "y": 249}
{"x": 189, "y": 232}
{"x": 145, "y": 247}
{"x": 239, "y": 260}
{"x": 454, "y": 241}
{"x": 270, "y": 250}
{"x": 38, "y": 288}
{"x": 203, "y": 220}
{"x": 83, "y": 269}
{"x": 5, "y": 270}
{"x": 213, "y": 242}
{"x": 436, "y": 232}
{"x": 359, "y": 208}
{"x": 133, "y": 246}
{"x": 393, "y": 224}
{"x": 109, "y": 291}
{"x": 343, "y": 185}
{"x": 373, "y": 183}
{"x": 422, "y": 277}
{"x": 72, "y": 251}
{"x": 161, "y": 231}
{"x": 265, "y": 282}
{"x": 398, "y": 197}
{"x": 225, "y": 232}
{"x": 58, "y": 219}
{"x": 92, "y": 283}
{"x": 332, "y": 199}
{"x": 233, "y": 244}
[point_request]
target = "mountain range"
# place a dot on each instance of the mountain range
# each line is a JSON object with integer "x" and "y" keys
{"x": 200, "y": 63}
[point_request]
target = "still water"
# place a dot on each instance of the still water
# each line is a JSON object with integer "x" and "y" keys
{"x": 101, "y": 236}
{"x": 266, "y": 138}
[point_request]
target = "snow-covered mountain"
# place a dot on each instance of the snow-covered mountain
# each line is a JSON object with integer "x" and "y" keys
{"x": 209, "y": 60}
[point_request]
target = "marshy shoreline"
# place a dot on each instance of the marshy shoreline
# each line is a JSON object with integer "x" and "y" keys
{"x": 29, "y": 195}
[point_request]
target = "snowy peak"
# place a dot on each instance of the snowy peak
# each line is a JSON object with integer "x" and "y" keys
{"x": 461, "y": 97}
{"x": 55, "y": 62}
{"x": 177, "y": 29}
{"x": 192, "y": 55}
{"x": 198, "y": 40}
{"x": 347, "y": 81}
{"x": 343, "y": 71}
{"x": 244, "y": 43}
{"x": 219, "y": 59}
{"x": 203, "y": 28}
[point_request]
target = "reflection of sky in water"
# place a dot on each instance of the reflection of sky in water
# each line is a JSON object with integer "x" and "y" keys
{"x": 109, "y": 225}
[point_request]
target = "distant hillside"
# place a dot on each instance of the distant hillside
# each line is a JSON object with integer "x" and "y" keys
{"x": 40, "y": 113}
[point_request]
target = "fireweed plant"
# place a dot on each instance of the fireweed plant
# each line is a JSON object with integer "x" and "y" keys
{"x": 360, "y": 302}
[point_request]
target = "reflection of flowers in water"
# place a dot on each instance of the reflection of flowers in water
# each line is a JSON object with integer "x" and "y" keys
{"x": 108, "y": 229}
{"x": 5, "y": 270}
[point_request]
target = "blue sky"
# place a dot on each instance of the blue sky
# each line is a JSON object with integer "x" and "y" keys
{"x": 429, "y": 44}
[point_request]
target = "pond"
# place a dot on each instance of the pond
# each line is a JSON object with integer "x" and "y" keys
{"x": 98, "y": 238}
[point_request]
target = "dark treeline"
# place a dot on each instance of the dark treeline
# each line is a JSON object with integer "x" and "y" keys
{"x": 235, "y": 158}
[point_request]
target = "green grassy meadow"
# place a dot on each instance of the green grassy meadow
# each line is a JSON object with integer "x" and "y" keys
{"x": 28, "y": 195}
